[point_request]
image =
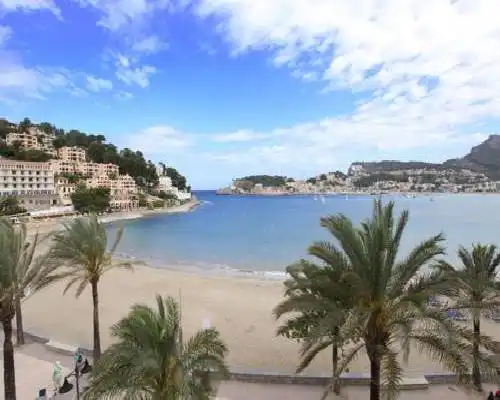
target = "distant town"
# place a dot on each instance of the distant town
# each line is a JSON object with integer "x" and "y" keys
{"x": 47, "y": 171}
{"x": 477, "y": 172}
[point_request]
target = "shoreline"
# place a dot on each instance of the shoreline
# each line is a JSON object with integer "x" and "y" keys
{"x": 55, "y": 224}
{"x": 335, "y": 194}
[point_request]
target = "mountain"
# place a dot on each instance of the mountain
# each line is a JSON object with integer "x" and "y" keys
{"x": 483, "y": 158}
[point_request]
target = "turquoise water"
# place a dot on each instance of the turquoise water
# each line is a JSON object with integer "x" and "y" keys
{"x": 264, "y": 234}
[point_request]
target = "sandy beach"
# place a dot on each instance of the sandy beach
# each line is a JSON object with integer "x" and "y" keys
{"x": 45, "y": 226}
{"x": 241, "y": 308}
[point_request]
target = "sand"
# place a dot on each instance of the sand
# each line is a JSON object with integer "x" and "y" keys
{"x": 240, "y": 307}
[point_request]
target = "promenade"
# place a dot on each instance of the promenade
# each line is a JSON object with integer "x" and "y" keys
{"x": 34, "y": 366}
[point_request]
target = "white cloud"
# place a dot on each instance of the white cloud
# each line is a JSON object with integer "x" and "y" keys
{"x": 149, "y": 45}
{"x": 98, "y": 84}
{"x": 159, "y": 140}
{"x": 117, "y": 15}
{"x": 425, "y": 78}
{"x": 30, "y": 5}
{"x": 5, "y": 33}
{"x": 18, "y": 81}
{"x": 129, "y": 72}
{"x": 123, "y": 96}
{"x": 238, "y": 136}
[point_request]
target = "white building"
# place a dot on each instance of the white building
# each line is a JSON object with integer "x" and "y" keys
{"x": 31, "y": 182}
{"x": 164, "y": 184}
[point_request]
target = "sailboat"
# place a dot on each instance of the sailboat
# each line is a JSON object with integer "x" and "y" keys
{"x": 322, "y": 198}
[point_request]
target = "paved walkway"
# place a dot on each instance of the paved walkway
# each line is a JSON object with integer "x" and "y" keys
{"x": 34, "y": 365}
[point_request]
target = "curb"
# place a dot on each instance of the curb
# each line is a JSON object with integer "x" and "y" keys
{"x": 417, "y": 382}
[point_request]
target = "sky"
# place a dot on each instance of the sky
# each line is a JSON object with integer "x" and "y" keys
{"x": 225, "y": 88}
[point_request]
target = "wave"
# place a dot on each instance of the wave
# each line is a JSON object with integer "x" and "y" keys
{"x": 206, "y": 268}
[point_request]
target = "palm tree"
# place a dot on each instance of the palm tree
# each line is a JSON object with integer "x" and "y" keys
{"x": 81, "y": 248}
{"x": 150, "y": 360}
{"x": 19, "y": 272}
{"x": 388, "y": 295}
{"x": 475, "y": 287}
{"x": 317, "y": 313}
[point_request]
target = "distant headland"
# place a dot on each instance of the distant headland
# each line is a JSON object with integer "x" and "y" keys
{"x": 476, "y": 172}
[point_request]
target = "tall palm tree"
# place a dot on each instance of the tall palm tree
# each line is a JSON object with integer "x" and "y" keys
{"x": 389, "y": 291}
{"x": 81, "y": 248}
{"x": 475, "y": 287}
{"x": 150, "y": 360}
{"x": 19, "y": 271}
{"x": 316, "y": 312}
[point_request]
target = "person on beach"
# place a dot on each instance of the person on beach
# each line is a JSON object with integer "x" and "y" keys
{"x": 57, "y": 376}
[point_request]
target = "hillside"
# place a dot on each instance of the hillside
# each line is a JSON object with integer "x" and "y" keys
{"x": 98, "y": 150}
{"x": 484, "y": 158}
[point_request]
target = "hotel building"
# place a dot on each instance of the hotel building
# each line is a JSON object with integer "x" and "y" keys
{"x": 31, "y": 182}
{"x": 123, "y": 190}
{"x": 72, "y": 154}
{"x": 33, "y": 139}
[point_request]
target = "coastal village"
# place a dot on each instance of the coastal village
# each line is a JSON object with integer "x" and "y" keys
{"x": 361, "y": 179}
{"x": 45, "y": 189}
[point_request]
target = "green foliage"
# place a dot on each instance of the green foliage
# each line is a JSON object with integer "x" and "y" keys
{"x": 91, "y": 200}
{"x": 10, "y": 206}
{"x": 150, "y": 360}
{"x": 73, "y": 178}
{"x": 158, "y": 204}
{"x": 266, "y": 180}
{"x": 20, "y": 271}
{"x": 178, "y": 180}
{"x": 5, "y": 128}
{"x": 81, "y": 248}
{"x": 17, "y": 153}
{"x": 143, "y": 201}
{"x": 166, "y": 196}
{"x": 474, "y": 288}
{"x": 323, "y": 177}
{"x": 311, "y": 180}
{"x": 377, "y": 299}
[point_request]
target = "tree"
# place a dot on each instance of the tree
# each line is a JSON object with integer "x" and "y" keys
{"x": 10, "y": 206}
{"x": 178, "y": 180}
{"x": 81, "y": 250}
{"x": 59, "y": 141}
{"x": 19, "y": 272}
{"x": 389, "y": 293}
{"x": 150, "y": 359}
{"x": 24, "y": 125}
{"x": 475, "y": 288}
{"x": 323, "y": 177}
{"x": 91, "y": 200}
{"x": 313, "y": 322}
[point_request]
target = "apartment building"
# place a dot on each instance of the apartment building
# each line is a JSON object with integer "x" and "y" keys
{"x": 32, "y": 183}
{"x": 72, "y": 154}
{"x": 33, "y": 139}
{"x": 83, "y": 168}
{"x": 64, "y": 189}
{"x": 123, "y": 190}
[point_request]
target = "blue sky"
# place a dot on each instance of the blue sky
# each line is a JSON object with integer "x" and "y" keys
{"x": 224, "y": 88}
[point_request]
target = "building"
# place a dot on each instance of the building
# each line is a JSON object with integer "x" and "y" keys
{"x": 164, "y": 184}
{"x": 33, "y": 139}
{"x": 84, "y": 168}
{"x": 123, "y": 190}
{"x": 64, "y": 189}
{"x": 32, "y": 183}
{"x": 72, "y": 154}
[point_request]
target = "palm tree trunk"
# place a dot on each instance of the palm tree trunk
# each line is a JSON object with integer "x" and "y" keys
{"x": 97, "y": 336}
{"x": 19, "y": 323}
{"x": 335, "y": 361}
{"x": 476, "y": 373}
{"x": 9, "y": 372}
{"x": 374, "y": 376}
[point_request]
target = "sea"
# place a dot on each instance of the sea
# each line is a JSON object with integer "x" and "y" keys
{"x": 261, "y": 235}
